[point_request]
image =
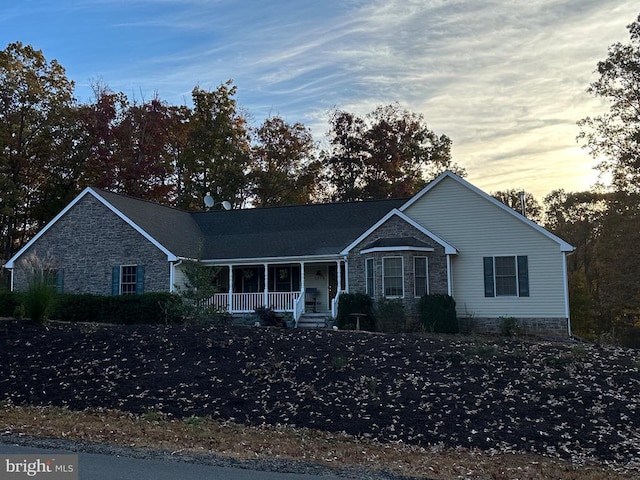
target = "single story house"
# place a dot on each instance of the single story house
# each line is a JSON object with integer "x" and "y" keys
{"x": 451, "y": 238}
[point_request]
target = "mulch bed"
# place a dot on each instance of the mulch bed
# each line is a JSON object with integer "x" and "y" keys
{"x": 579, "y": 402}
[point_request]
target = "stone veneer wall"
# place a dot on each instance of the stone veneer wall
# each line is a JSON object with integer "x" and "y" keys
{"x": 541, "y": 327}
{"x": 395, "y": 227}
{"x": 87, "y": 242}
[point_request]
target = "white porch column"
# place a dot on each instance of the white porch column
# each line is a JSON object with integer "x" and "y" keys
{"x": 346, "y": 275}
{"x": 302, "y": 277}
{"x": 266, "y": 285}
{"x": 339, "y": 262}
{"x": 230, "y": 307}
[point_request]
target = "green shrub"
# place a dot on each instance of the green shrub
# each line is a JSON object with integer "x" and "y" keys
{"x": 269, "y": 318}
{"x": 509, "y": 327}
{"x": 18, "y": 312}
{"x": 438, "y": 313}
{"x": 149, "y": 308}
{"x": 340, "y": 363}
{"x": 220, "y": 318}
{"x": 350, "y": 303}
{"x": 9, "y": 301}
{"x": 390, "y": 315}
{"x": 79, "y": 308}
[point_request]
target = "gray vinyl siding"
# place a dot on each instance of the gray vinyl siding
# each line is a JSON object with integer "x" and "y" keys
{"x": 180, "y": 279}
{"x": 478, "y": 228}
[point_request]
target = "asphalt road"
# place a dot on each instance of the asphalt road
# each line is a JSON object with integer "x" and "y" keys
{"x": 94, "y": 466}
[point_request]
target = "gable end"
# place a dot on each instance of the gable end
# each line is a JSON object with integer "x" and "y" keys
{"x": 564, "y": 246}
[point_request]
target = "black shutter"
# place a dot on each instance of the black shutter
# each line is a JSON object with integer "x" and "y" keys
{"x": 140, "y": 279}
{"x": 488, "y": 277}
{"x": 60, "y": 281}
{"x": 115, "y": 280}
{"x": 523, "y": 276}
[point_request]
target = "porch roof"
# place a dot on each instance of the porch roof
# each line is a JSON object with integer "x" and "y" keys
{"x": 398, "y": 242}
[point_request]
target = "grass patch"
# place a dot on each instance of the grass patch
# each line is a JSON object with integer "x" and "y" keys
{"x": 198, "y": 435}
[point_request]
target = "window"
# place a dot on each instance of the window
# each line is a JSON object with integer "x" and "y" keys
{"x": 248, "y": 279}
{"x": 54, "y": 278}
{"x": 506, "y": 276}
{"x": 127, "y": 280}
{"x": 284, "y": 278}
{"x": 50, "y": 275}
{"x": 370, "y": 276}
{"x": 421, "y": 277}
{"x": 392, "y": 279}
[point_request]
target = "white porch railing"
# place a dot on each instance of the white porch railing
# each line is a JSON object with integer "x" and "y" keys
{"x": 334, "y": 304}
{"x": 298, "y": 308}
{"x": 248, "y": 302}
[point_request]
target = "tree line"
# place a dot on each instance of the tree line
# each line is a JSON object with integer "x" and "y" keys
{"x": 52, "y": 146}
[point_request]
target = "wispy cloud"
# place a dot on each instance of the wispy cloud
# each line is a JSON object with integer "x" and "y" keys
{"x": 505, "y": 80}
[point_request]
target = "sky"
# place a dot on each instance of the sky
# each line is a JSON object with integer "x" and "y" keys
{"x": 506, "y": 80}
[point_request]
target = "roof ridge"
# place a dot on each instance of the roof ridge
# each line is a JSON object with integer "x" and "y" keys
{"x": 145, "y": 200}
{"x": 304, "y": 205}
{"x": 268, "y": 207}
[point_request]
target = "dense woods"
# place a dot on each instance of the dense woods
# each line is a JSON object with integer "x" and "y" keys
{"x": 51, "y": 147}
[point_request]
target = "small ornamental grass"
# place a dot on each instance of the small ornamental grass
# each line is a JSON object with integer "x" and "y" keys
{"x": 40, "y": 297}
{"x": 39, "y": 301}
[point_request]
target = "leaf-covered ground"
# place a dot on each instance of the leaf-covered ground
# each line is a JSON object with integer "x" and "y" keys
{"x": 577, "y": 402}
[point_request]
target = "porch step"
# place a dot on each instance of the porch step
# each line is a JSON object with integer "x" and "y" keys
{"x": 313, "y": 320}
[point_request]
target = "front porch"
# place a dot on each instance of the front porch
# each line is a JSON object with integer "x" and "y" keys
{"x": 298, "y": 288}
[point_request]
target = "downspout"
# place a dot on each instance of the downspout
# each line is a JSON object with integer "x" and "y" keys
{"x": 449, "y": 277}
{"x": 172, "y": 275}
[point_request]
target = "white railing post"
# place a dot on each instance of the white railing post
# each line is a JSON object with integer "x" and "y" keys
{"x": 298, "y": 307}
{"x": 230, "y": 294}
{"x": 334, "y": 304}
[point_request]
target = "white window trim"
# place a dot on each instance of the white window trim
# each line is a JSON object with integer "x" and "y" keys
{"x": 426, "y": 263}
{"x": 384, "y": 289}
{"x": 135, "y": 283}
{"x": 366, "y": 276}
{"x": 495, "y": 277}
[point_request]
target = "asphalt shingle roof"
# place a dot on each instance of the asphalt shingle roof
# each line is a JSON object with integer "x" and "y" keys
{"x": 293, "y": 231}
{"x": 174, "y": 229}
